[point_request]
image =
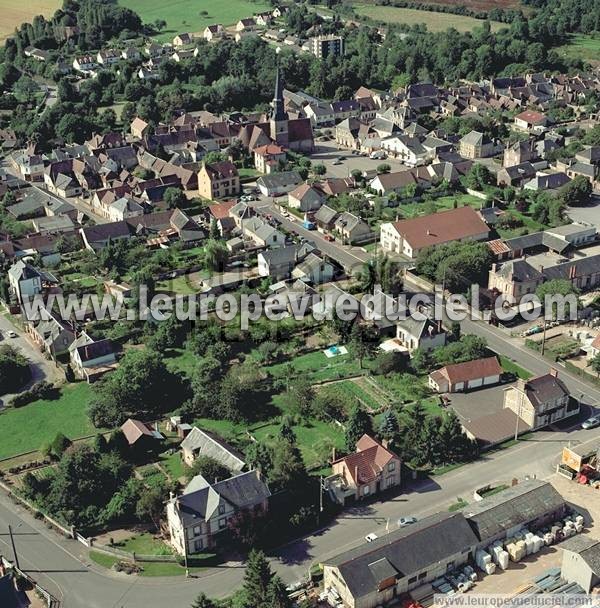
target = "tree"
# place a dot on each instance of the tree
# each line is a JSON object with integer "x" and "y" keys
{"x": 383, "y": 168}
{"x": 359, "y": 424}
{"x": 300, "y": 397}
{"x": 560, "y": 291}
{"x": 319, "y": 169}
{"x": 577, "y": 192}
{"x": 212, "y": 470}
{"x": 203, "y": 602}
{"x": 151, "y": 504}
{"x": 277, "y": 594}
{"x": 174, "y": 198}
{"x": 215, "y": 255}
{"x": 389, "y": 428}
{"x": 479, "y": 177}
{"x": 595, "y": 363}
{"x": 257, "y": 577}
{"x": 362, "y": 342}
{"x": 25, "y": 89}
{"x": 214, "y": 232}
{"x": 288, "y": 470}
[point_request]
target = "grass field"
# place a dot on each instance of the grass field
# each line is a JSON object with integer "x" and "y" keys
{"x": 27, "y": 428}
{"x": 436, "y": 22}
{"x": 15, "y": 13}
{"x": 185, "y": 15}
{"x": 582, "y": 46}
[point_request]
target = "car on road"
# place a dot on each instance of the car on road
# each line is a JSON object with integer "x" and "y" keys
{"x": 337, "y": 161}
{"x": 371, "y": 537}
{"x": 329, "y": 238}
{"x": 591, "y": 423}
{"x": 12, "y": 334}
{"x": 406, "y": 521}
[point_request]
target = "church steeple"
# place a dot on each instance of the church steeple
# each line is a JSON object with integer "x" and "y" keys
{"x": 278, "y": 113}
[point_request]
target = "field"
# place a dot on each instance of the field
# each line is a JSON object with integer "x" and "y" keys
{"x": 185, "y": 15}
{"x": 15, "y": 13}
{"x": 477, "y": 5}
{"x": 582, "y": 46}
{"x": 436, "y": 22}
{"x": 27, "y": 428}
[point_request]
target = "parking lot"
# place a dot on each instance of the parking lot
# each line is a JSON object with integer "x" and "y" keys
{"x": 327, "y": 152}
{"x": 475, "y": 404}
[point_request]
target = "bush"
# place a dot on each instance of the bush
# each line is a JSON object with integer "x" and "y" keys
{"x": 40, "y": 390}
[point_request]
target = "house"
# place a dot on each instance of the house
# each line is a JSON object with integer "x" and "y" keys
{"x": 541, "y": 401}
{"x": 547, "y": 181}
{"x": 26, "y": 281}
{"x": 279, "y": 263}
{"x": 91, "y": 359}
{"x": 218, "y": 180}
{"x": 197, "y": 517}
{"x": 421, "y": 334}
{"x": 314, "y": 269}
{"x": 476, "y": 145}
{"x": 306, "y": 198}
{"x": 130, "y": 53}
{"x": 325, "y": 218}
{"x": 85, "y": 63}
{"x": 370, "y": 470}
{"x": 581, "y": 562}
{"x": 409, "y": 150}
{"x": 530, "y": 120}
{"x": 397, "y": 181}
{"x": 465, "y": 376}
{"x": 212, "y": 32}
{"x": 373, "y": 574}
{"x": 263, "y": 234}
{"x": 245, "y": 25}
{"x": 202, "y": 443}
{"x": 51, "y": 334}
{"x": 411, "y": 236}
{"x": 326, "y": 46}
{"x": 267, "y": 159}
{"x": 351, "y": 228}
{"x": 53, "y": 224}
{"x": 139, "y": 128}
{"x": 123, "y": 208}
{"x": 516, "y": 175}
{"x": 96, "y": 237}
{"x": 276, "y": 184}
{"x": 108, "y": 57}
{"x": 140, "y": 435}
{"x": 28, "y": 166}
{"x": 182, "y": 40}
{"x": 520, "y": 152}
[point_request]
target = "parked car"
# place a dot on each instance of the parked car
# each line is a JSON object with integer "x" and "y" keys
{"x": 12, "y": 334}
{"x": 371, "y": 537}
{"x": 329, "y": 238}
{"x": 407, "y": 521}
{"x": 591, "y": 423}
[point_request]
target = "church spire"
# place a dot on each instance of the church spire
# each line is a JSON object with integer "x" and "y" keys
{"x": 278, "y": 104}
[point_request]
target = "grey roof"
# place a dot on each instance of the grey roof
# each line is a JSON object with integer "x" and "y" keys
{"x": 416, "y": 327}
{"x": 207, "y": 444}
{"x": 8, "y": 593}
{"x": 568, "y": 229}
{"x": 326, "y": 214}
{"x": 475, "y": 138}
{"x": 287, "y": 255}
{"x": 588, "y": 548}
{"x": 520, "y": 270}
{"x": 404, "y": 552}
{"x": 201, "y": 500}
{"x": 573, "y": 269}
{"x": 280, "y": 180}
{"x": 545, "y": 389}
{"x": 512, "y": 507}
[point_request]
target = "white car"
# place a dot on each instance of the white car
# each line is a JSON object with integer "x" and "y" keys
{"x": 12, "y": 334}
{"x": 371, "y": 537}
{"x": 406, "y": 521}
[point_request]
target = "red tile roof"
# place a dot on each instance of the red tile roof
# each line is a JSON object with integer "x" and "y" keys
{"x": 442, "y": 227}
{"x": 531, "y": 117}
{"x": 472, "y": 370}
{"x": 221, "y": 210}
{"x": 368, "y": 461}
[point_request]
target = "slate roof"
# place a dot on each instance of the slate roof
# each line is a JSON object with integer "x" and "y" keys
{"x": 404, "y": 552}
{"x": 8, "y": 593}
{"x": 545, "y": 389}
{"x": 279, "y": 179}
{"x": 207, "y": 444}
{"x": 517, "y": 505}
{"x": 102, "y": 232}
{"x": 588, "y": 548}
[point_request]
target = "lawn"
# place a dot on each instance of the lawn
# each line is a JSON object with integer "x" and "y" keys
{"x": 173, "y": 464}
{"x": 435, "y": 22}
{"x": 181, "y": 360}
{"x": 15, "y": 13}
{"x": 151, "y": 568}
{"x": 510, "y": 367}
{"x": 187, "y": 15}
{"x": 179, "y": 285}
{"x": 582, "y": 46}
{"x": 527, "y": 222}
{"x": 409, "y": 210}
{"x": 27, "y": 428}
{"x": 145, "y": 544}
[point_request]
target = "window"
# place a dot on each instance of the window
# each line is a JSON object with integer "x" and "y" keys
{"x": 222, "y": 523}
{"x": 221, "y": 509}
{"x": 391, "y": 466}
{"x": 366, "y": 490}
{"x": 412, "y": 580}
{"x": 198, "y": 545}
{"x": 197, "y": 530}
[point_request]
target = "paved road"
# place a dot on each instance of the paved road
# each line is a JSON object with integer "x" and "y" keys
{"x": 41, "y": 368}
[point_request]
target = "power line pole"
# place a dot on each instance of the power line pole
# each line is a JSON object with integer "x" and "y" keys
{"x": 12, "y": 542}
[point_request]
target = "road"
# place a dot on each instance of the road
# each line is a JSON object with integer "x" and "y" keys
{"x": 41, "y": 368}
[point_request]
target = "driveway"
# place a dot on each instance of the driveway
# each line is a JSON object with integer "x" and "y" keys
{"x": 477, "y": 403}
{"x": 589, "y": 214}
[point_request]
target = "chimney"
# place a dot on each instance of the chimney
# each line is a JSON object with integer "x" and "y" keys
{"x": 356, "y": 474}
{"x": 385, "y": 443}
{"x": 554, "y": 372}
{"x": 428, "y": 232}
{"x": 541, "y": 268}
{"x": 494, "y": 266}
{"x": 333, "y": 454}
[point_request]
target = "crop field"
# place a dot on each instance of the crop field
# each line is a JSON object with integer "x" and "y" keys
{"x": 193, "y": 15}
{"x": 15, "y": 13}
{"x": 582, "y": 46}
{"x": 435, "y": 22}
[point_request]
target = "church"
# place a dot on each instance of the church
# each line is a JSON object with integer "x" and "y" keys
{"x": 292, "y": 134}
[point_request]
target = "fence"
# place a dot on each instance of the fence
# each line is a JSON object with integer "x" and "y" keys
{"x": 134, "y": 557}
{"x": 50, "y": 600}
